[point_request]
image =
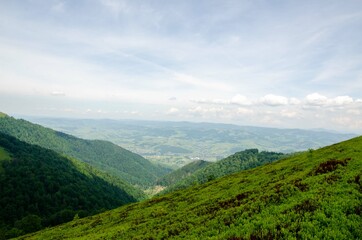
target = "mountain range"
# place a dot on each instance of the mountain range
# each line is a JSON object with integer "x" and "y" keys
{"x": 176, "y": 144}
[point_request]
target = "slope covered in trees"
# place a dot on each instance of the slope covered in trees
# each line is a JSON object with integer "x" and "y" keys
{"x": 312, "y": 195}
{"x": 181, "y": 173}
{"x": 40, "y": 188}
{"x": 100, "y": 154}
{"x": 243, "y": 160}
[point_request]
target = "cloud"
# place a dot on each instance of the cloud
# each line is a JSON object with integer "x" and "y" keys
{"x": 240, "y": 100}
{"x": 274, "y": 100}
{"x": 342, "y": 100}
{"x": 316, "y": 99}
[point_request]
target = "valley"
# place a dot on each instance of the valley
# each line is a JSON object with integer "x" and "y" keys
{"x": 175, "y": 144}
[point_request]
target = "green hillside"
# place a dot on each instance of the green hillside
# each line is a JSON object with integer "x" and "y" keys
{"x": 181, "y": 173}
{"x": 100, "y": 154}
{"x": 40, "y": 188}
{"x": 313, "y": 195}
{"x": 243, "y": 160}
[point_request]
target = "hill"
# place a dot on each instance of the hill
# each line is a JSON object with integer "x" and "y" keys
{"x": 40, "y": 188}
{"x": 103, "y": 155}
{"x": 181, "y": 173}
{"x": 312, "y": 195}
{"x": 242, "y": 160}
{"x": 179, "y": 143}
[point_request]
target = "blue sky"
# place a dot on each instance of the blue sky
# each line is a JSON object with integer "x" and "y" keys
{"x": 295, "y": 64}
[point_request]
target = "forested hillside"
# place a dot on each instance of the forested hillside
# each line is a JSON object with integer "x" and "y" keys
{"x": 104, "y": 155}
{"x": 40, "y": 188}
{"x": 313, "y": 195}
{"x": 181, "y": 173}
{"x": 243, "y": 160}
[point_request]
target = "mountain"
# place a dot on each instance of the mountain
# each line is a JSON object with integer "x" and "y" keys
{"x": 40, "y": 188}
{"x": 312, "y": 195}
{"x": 242, "y": 160}
{"x": 181, "y": 173}
{"x": 103, "y": 155}
{"x": 178, "y": 143}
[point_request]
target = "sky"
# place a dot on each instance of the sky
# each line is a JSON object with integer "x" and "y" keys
{"x": 272, "y": 63}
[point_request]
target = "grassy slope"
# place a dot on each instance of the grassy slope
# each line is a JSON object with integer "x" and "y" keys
{"x": 317, "y": 194}
{"x": 100, "y": 154}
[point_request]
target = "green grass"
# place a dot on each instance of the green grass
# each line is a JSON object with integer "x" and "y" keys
{"x": 312, "y": 195}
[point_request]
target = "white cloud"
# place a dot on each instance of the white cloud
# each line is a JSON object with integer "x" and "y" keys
{"x": 274, "y": 100}
{"x": 342, "y": 100}
{"x": 240, "y": 100}
{"x": 316, "y": 99}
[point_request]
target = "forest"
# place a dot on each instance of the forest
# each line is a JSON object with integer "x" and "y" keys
{"x": 40, "y": 188}
{"x": 103, "y": 155}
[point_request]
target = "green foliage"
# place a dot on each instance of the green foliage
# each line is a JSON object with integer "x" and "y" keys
{"x": 103, "y": 155}
{"x": 181, "y": 173}
{"x": 29, "y": 223}
{"x": 243, "y": 160}
{"x": 286, "y": 199}
{"x": 38, "y": 187}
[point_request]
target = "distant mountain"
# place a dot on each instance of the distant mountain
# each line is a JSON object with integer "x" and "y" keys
{"x": 40, "y": 188}
{"x": 313, "y": 195}
{"x": 181, "y": 173}
{"x": 179, "y": 143}
{"x": 243, "y": 160}
{"x": 103, "y": 155}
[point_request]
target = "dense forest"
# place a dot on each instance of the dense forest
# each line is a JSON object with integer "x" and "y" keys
{"x": 181, "y": 173}
{"x": 312, "y": 195}
{"x": 40, "y": 188}
{"x": 103, "y": 155}
{"x": 243, "y": 160}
